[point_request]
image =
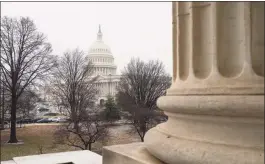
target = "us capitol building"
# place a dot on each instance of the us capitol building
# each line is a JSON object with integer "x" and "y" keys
{"x": 104, "y": 67}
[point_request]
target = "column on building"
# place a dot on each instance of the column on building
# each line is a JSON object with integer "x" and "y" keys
{"x": 216, "y": 102}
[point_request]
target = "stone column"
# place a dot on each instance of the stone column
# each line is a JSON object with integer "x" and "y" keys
{"x": 216, "y": 102}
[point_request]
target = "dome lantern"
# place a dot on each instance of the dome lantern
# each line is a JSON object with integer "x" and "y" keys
{"x": 99, "y": 47}
{"x": 101, "y": 56}
{"x": 99, "y": 35}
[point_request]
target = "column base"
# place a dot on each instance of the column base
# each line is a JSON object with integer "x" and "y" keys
{"x": 174, "y": 150}
{"x": 209, "y": 129}
{"x": 134, "y": 153}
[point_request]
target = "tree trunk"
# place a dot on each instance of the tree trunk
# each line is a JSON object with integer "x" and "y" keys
{"x": 3, "y": 110}
{"x": 90, "y": 145}
{"x": 75, "y": 120}
{"x": 142, "y": 138}
{"x": 2, "y": 122}
{"x": 13, "y": 136}
{"x": 3, "y": 116}
{"x": 76, "y": 127}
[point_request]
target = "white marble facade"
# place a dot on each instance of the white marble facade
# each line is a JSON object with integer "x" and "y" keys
{"x": 100, "y": 55}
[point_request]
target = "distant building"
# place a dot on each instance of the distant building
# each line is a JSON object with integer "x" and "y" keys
{"x": 104, "y": 67}
{"x": 46, "y": 103}
{"x": 101, "y": 57}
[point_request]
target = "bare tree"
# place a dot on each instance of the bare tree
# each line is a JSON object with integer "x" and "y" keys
{"x": 90, "y": 129}
{"x": 59, "y": 105}
{"x": 4, "y": 106}
{"x": 2, "y": 97}
{"x": 74, "y": 87}
{"x": 27, "y": 103}
{"x": 140, "y": 87}
{"x": 24, "y": 59}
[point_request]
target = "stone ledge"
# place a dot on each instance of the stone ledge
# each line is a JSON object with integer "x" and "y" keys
{"x": 134, "y": 153}
{"x": 77, "y": 157}
{"x": 8, "y": 162}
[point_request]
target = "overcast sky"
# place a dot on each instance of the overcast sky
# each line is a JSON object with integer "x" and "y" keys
{"x": 131, "y": 29}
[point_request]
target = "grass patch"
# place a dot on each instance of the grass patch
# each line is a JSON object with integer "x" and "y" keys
{"x": 41, "y": 136}
{"x": 36, "y": 139}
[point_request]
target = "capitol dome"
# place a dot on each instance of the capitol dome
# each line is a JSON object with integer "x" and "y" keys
{"x": 100, "y": 55}
{"x": 99, "y": 46}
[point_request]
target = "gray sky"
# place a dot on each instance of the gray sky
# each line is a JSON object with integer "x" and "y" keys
{"x": 131, "y": 29}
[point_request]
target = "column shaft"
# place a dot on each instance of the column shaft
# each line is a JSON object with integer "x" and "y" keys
{"x": 218, "y": 47}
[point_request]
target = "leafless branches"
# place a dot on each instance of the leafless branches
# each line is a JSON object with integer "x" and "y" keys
{"x": 73, "y": 86}
{"x": 74, "y": 89}
{"x": 25, "y": 57}
{"x": 89, "y": 130}
{"x": 140, "y": 87}
{"x": 26, "y": 103}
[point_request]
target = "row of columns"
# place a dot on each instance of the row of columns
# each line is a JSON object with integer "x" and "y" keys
{"x": 106, "y": 88}
{"x": 105, "y": 71}
{"x": 102, "y": 60}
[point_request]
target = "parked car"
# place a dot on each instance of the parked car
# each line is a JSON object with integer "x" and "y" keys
{"x": 62, "y": 120}
{"x": 51, "y": 114}
{"x": 44, "y": 120}
{"x": 36, "y": 119}
{"x": 54, "y": 119}
{"x": 25, "y": 121}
